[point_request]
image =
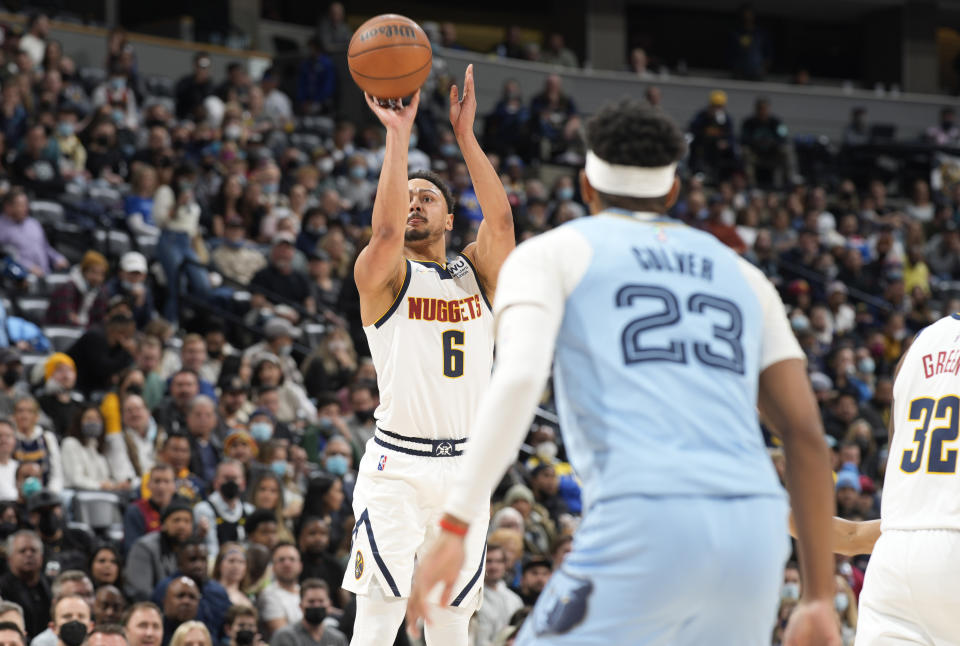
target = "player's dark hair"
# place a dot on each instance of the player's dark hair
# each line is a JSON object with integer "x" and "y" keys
{"x": 437, "y": 181}
{"x": 632, "y": 133}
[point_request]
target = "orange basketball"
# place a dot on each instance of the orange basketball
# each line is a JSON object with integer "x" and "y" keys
{"x": 389, "y": 56}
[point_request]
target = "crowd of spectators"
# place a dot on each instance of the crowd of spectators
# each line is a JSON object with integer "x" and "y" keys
{"x": 215, "y": 391}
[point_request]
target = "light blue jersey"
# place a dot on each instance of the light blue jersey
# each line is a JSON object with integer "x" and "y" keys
{"x": 657, "y": 362}
{"x": 663, "y": 334}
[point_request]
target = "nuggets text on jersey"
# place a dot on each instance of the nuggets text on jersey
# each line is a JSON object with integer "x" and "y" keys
{"x": 438, "y": 309}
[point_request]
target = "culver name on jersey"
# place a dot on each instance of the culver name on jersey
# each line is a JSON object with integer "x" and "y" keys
{"x": 433, "y": 351}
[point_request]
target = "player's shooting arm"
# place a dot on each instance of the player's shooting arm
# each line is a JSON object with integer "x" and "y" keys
{"x": 850, "y": 538}
{"x": 495, "y": 238}
{"x": 379, "y": 268}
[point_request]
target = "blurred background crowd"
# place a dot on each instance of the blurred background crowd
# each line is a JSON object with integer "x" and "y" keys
{"x": 185, "y": 386}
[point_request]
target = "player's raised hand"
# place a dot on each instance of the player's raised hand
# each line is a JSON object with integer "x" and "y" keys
{"x": 463, "y": 110}
{"x": 441, "y": 565}
{"x": 396, "y": 116}
{"x": 813, "y": 623}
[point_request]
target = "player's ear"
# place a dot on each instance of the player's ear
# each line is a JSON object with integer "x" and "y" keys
{"x": 588, "y": 193}
{"x": 673, "y": 194}
{"x": 448, "y": 225}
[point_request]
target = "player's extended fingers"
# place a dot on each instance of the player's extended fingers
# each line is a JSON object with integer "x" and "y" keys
{"x": 454, "y": 95}
{"x": 414, "y": 101}
{"x": 468, "y": 82}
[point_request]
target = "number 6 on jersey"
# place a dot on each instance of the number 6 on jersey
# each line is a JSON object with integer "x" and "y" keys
{"x": 452, "y": 354}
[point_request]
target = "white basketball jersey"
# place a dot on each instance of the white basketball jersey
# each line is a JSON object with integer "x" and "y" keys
{"x": 922, "y": 484}
{"x": 433, "y": 350}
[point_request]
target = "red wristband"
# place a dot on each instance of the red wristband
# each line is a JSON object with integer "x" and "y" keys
{"x": 453, "y": 528}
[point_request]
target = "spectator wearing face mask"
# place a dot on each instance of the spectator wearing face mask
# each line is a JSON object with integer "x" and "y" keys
{"x": 121, "y": 99}
{"x": 544, "y": 443}
{"x": 59, "y": 401}
{"x": 311, "y": 629}
{"x": 87, "y": 467}
{"x": 224, "y": 509}
{"x": 37, "y": 445}
{"x": 71, "y": 617}
{"x": 355, "y": 187}
{"x": 338, "y": 461}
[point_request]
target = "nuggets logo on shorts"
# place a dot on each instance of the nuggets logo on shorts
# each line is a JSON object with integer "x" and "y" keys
{"x": 382, "y": 463}
{"x": 358, "y": 565}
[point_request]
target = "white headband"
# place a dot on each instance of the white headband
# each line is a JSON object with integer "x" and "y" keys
{"x": 633, "y": 181}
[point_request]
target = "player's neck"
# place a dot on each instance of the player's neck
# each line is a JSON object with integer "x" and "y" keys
{"x": 427, "y": 251}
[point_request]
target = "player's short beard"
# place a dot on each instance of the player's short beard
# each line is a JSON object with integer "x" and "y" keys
{"x": 416, "y": 235}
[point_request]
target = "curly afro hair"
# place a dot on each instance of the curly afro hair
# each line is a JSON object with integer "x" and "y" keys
{"x": 437, "y": 181}
{"x": 632, "y": 133}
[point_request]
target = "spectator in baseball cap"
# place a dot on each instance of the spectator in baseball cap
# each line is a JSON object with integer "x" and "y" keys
{"x": 131, "y": 282}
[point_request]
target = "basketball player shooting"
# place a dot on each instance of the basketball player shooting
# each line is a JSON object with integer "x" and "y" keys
{"x": 430, "y": 329}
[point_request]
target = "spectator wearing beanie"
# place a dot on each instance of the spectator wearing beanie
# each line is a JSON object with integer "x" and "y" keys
{"x": 59, "y": 400}
{"x": 81, "y": 301}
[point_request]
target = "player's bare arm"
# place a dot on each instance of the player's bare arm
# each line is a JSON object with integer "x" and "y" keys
{"x": 380, "y": 267}
{"x": 495, "y": 238}
{"x": 850, "y": 538}
{"x": 787, "y": 402}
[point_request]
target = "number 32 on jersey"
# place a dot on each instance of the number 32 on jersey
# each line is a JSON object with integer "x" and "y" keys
{"x": 924, "y": 410}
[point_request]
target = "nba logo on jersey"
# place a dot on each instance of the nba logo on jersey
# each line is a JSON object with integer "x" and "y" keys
{"x": 382, "y": 463}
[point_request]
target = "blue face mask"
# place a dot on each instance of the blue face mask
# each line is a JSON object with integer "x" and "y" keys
{"x": 117, "y": 116}
{"x": 336, "y": 465}
{"x": 261, "y": 431}
{"x": 867, "y": 365}
{"x": 449, "y": 150}
{"x": 65, "y": 128}
{"x": 118, "y": 83}
{"x": 565, "y": 193}
{"x": 279, "y": 467}
{"x": 269, "y": 189}
{"x": 358, "y": 172}
{"x": 31, "y": 486}
{"x": 413, "y": 141}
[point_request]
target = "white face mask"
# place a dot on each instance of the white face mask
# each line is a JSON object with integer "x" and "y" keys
{"x": 841, "y": 602}
{"x": 547, "y": 451}
{"x": 790, "y": 591}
